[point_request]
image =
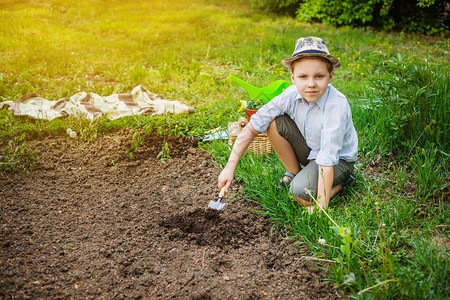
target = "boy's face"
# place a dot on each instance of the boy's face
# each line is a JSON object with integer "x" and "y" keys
{"x": 311, "y": 77}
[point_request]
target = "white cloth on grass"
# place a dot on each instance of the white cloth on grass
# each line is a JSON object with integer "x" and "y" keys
{"x": 90, "y": 105}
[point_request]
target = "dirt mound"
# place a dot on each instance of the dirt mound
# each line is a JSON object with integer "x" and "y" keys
{"x": 89, "y": 222}
{"x": 208, "y": 228}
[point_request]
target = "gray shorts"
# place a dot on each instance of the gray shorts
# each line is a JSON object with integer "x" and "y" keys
{"x": 309, "y": 174}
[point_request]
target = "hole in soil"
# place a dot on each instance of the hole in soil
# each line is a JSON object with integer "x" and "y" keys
{"x": 208, "y": 227}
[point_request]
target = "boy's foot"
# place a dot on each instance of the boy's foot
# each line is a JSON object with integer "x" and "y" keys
{"x": 349, "y": 180}
{"x": 286, "y": 180}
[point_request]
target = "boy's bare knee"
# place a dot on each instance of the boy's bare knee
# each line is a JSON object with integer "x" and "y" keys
{"x": 272, "y": 132}
{"x": 272, "y": 127}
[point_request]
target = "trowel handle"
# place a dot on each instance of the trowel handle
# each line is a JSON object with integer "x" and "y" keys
{"x": 222, "y": 192}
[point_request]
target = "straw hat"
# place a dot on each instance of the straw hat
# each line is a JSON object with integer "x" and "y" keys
{"x": 310, "y": 46}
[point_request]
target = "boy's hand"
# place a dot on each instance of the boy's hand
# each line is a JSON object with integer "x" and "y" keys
{"x": 310, "y": 209}
{"x": 313, "y": 209}
{"x": 225, "y": 179}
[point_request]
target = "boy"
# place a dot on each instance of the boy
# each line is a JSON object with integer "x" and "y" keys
{"x": 309, "y": 126}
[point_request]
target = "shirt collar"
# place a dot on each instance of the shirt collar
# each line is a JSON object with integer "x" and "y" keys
{"x": 323, "y": 99}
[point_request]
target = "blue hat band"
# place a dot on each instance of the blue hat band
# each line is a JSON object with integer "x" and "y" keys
{"x": 310, "y": 52}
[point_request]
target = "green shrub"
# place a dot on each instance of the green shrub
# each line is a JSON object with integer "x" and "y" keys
{"x": 285, "y": 7}
{"x": 429, "y": 17}
{"x": 349, "y": 12}
{"x": 409, "y": 103}
{"x": 406, "y": 114}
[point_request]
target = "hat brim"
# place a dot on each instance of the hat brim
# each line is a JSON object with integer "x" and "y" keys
{"x": 287, "y": 62}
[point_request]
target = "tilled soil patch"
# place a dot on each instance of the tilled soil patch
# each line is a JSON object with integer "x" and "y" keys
{"x": 89, "y": 222}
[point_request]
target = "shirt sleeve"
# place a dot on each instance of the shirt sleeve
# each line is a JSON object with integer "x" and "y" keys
{"x": 333, "y": 130}
{"x": 277, "y": 106}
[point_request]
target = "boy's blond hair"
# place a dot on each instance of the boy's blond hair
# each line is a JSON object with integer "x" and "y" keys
{"x": 321, "y": 58}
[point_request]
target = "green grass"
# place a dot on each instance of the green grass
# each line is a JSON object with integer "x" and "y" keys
{"x": 186, "y": 51}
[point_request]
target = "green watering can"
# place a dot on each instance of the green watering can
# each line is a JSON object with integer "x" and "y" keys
{"x": 264, "y": 94}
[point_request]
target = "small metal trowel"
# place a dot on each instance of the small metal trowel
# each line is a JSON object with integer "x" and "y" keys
{"x": 217, "y": 204}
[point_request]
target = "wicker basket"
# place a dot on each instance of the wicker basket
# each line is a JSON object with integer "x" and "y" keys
{"x": 259, "y": 145}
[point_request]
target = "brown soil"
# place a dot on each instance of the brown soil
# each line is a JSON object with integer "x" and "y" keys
{"x": 89, "y": 222}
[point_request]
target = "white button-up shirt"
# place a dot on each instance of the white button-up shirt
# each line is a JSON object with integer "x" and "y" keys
{"x": 326, "y": 124}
